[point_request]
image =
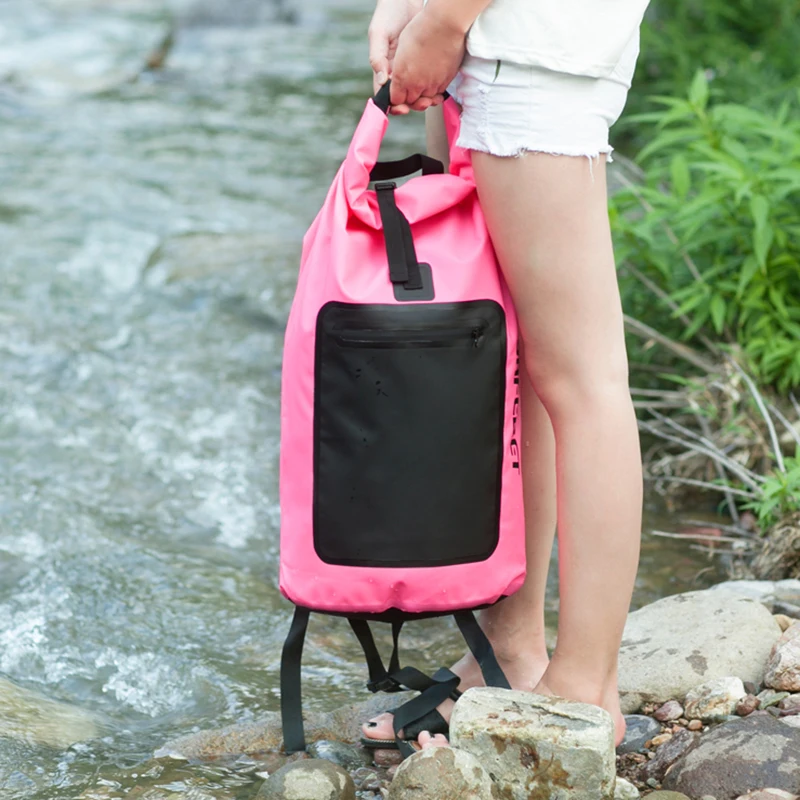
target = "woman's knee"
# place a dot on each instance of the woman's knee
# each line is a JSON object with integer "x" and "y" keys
{"x": 580, "y": 385}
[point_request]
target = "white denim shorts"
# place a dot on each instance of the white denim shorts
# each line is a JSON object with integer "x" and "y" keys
{"x": 509, "y": 109}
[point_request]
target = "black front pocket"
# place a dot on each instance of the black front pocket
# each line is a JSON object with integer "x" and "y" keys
{"x": 408, "y": 433}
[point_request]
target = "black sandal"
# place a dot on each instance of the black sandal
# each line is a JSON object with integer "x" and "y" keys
{"x": 431, "y": 721}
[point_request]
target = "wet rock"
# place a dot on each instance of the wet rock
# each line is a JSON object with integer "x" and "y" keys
{"x": 347, "y": 756}
{"x": 537, "y": 746}
{"x": 714, "y": 700}
{"x": 671, "y": 710}
{"x": 638, "y": 730}
{"x": 33, "y": 718}
{"x": 625, "y": 790}
{"x": 747, "y": 705}
{"x": 669, "y": 753}
{"x": 738, "y": 757}
{"x": 313, "y": 779}
{"x": 444, "y": 773}
{"x": 662, "y": 657}
{"x": 265, "y": 736}
{"x": 783, "y": 667}
{"x": 768, "y": 794}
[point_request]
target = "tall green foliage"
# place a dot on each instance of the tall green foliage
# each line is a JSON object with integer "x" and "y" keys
{"x": 716, "y": 227}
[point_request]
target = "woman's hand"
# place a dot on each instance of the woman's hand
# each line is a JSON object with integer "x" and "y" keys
{"x": 388, "y": 22}
{"x": 428, "y": 55}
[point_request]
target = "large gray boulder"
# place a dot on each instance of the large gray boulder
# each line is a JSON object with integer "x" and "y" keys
{"x": 678, "y": 642}
{"x": 441, "y": 773}
{"x": 738, "y": 757}
{"x": 534, "y": 746}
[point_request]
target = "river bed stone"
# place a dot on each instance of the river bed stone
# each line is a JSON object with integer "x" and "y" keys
{"x": 663, "y": 657}
{"x": 738, "y": 757}
{"x": 534, "y": 746}
{"x": 441, "y": 773}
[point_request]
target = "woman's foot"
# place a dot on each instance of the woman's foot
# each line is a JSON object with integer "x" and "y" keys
{"x": 573, "y": 687}
{"x": 523, "y": 672}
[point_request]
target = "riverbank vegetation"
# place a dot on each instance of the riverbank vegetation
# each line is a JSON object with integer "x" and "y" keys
{"x": 707, "y": 234}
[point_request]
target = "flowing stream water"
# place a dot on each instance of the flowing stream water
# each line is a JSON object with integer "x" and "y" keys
{"x": 150, "y": 228}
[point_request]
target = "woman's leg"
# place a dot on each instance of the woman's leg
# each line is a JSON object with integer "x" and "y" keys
{"x": 549, "y": 222}
{"x": 515, "y": 626}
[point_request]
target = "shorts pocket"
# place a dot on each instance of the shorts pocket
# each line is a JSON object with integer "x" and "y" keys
{"x": 408, "y": 433}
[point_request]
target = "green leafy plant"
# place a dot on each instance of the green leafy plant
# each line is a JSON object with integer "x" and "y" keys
{"x": 714, "y": 230}
{"x": 779, "y": 494}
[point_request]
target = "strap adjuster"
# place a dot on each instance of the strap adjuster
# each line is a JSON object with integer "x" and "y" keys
{"x": 385, "y": 683}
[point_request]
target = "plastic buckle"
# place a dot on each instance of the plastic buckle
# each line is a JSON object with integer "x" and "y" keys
{"x": 385, "y": 684}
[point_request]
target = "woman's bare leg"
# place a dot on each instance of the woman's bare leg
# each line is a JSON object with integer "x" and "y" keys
{"x": 515, "y": 626}
{"x": 549, "y": 222}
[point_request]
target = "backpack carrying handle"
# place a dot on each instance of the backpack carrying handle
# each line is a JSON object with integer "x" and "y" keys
{"x": 382, "y": 98}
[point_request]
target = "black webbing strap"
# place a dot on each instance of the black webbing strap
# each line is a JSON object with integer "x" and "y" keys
{"x": 481, "y": 648}
{"x": 294, "y": 738}
{"x": 442, "y": 685}
{"x": 400, "y": 252}
{"x": 380, "y": 679}
{"x": 391, "y": 170}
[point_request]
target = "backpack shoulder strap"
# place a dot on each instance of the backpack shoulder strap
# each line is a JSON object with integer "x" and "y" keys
{"x": 294, "y": 738}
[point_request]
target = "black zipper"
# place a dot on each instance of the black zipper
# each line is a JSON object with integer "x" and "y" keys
{"x": 470, "y": 334}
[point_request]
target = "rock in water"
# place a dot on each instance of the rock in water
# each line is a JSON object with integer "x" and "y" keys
{"x": 638, "y": 730}
{"x": 313, "y": 779}
{"x": 738, "y": 757}
{"x": 534, "y": 746}
{"x": 674, "y": 644}
{"x": 37, "y": 719}
{"x": 347, "y": 756}
{"x": 254, "y": 738}
{"x": 783, "y": 667}
{"x": 441, "y": 773}
{"x": 715, "y": 700}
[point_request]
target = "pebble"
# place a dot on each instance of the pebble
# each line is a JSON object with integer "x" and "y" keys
{"x": 770, "y": 697}
{"x": 387, "y": 758}
{"x": 784, "y": 621}
{"x": 747, "y": 705}
{"x": 790, "y": 704}
{"x": 750, "y": 687}
{"x": 714, "y": 700}
{"x": 639, "y": 729}
{"x": 695, "y": 725}
{"x": 671, "y": 710}
{"x": 783, "y": 667}
{"x": 625, "y": 790}
{"x": 662, "y": 738}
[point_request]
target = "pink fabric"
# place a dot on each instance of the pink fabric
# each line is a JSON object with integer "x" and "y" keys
{"x": 344, "y": 259}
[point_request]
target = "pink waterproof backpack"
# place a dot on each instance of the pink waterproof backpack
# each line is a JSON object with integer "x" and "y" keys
{"x": 400, "y": 483}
